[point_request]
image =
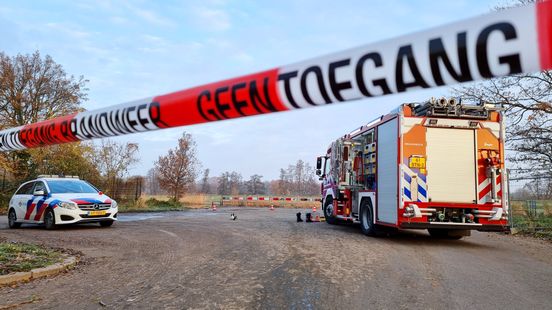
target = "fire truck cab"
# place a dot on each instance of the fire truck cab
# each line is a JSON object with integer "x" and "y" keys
{"x": 437, "y": 165}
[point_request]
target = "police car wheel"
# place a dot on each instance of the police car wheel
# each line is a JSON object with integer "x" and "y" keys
{"x": 106, "y": 223}
{"x": 49, "y": 219}
{"x": 12, "y": 218}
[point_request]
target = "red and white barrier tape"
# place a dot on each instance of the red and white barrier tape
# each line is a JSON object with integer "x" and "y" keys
{"x": 512, "y": 41}
{"x": 266, "y": 198}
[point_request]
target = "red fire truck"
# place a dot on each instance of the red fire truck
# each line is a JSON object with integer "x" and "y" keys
{"x": 437, "y": 165}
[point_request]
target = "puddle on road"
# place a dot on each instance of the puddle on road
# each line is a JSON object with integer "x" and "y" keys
{"x": 132, "y": 217}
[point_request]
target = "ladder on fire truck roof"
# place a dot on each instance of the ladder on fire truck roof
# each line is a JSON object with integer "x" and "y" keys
{"x": 452, "y": 108}
{"x": 442, "y": 107}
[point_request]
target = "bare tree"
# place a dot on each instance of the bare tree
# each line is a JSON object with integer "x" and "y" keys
{"x": 255, "y": 185}
{"x": 205, "y": 186}
{"x": 177, "y": 170}
{"x": 33, "y": 89}
{"x": 298, "y": 179}
{"x": 527, "y": 100}
{"x": 113, "y": 160}
{"x": 236, "y": 184}
{"x": 224, "y": 184}
{"x": 152, "y": 186}
{"x": 282, "y": 185}
{"x": 312, "y": 185}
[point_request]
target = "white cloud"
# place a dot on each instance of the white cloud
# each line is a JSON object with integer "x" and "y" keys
{"x": 243, "y": 57}
{"x": 154, "y": 39}
{"x": 165, "y": 135}
{"x": 69, "y": 29}
{"x": 215, "y": 134}
{"x": 150, "y": 16}
{"x": 119, "y": 20}
{"x": 212, "y": 19}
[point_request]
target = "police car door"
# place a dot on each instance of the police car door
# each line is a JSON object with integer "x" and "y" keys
{"x": 21, "y": 198}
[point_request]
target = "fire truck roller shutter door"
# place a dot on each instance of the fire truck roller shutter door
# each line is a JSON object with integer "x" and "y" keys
{"x": 387, "y": 172}
{"x": 451, "y": 165}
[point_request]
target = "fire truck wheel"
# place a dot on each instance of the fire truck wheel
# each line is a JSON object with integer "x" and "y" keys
{"x": 328, "y": 211}
{"x": 444, "y": 234}
{"x": 367, "y": 219}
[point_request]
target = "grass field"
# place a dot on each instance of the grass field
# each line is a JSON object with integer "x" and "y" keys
{"x": 521, "y": 208}
{"x": 158, "y": 203}
{"x": 16, "y": 257}
{"x": 197, "y": 201}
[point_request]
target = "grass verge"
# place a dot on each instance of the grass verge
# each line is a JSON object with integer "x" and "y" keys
{"x": 152, "y": 205}
{"x": 20, "y": 257}
{"x": 539, "y": 226}
{"x": 161, "y": 203}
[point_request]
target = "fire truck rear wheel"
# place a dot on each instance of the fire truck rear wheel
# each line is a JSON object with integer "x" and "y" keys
{"x": 328, "y": 211}
{"x": 367, "y": 218}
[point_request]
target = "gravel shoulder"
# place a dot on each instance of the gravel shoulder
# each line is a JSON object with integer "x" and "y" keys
{"x": 265, "y": 260}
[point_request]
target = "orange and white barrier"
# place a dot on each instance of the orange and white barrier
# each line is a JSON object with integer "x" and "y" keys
{"x": 517, "y": 40}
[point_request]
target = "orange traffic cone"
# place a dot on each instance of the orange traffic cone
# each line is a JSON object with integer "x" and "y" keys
{"x": 214, "y": 207}
{"x": 314, "y": 209}
{"x": 271, "y": 207}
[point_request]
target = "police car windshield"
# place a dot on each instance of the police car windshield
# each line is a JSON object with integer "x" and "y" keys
{"x": 70, "y": 187}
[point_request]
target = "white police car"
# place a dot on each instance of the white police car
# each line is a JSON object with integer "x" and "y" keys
{"x": 53, "y": 200}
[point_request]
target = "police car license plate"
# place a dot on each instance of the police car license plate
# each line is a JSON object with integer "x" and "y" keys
{"x": 96, "y": 213}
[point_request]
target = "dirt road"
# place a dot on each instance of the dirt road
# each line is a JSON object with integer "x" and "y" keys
{"x": 201, "y": 259}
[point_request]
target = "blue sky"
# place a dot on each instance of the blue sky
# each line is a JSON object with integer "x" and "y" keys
{"x": 135, "y": 49}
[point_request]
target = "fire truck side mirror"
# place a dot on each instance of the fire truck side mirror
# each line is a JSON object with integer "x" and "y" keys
{"x": 318, "y": 164}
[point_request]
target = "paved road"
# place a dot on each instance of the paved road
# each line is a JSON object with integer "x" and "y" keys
{"x": 201, "y": 259}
